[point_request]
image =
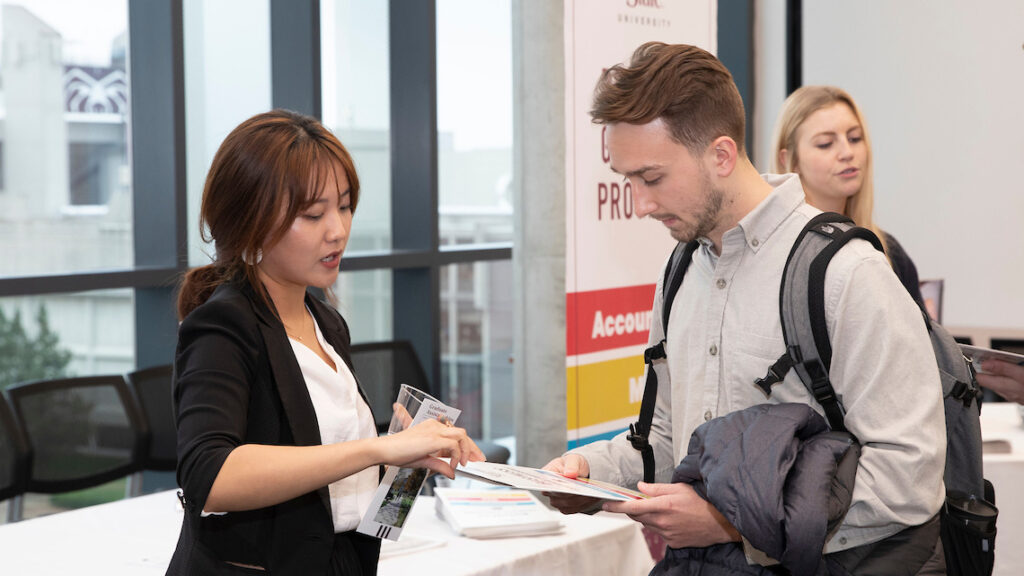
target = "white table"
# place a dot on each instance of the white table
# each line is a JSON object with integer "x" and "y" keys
{"x": 124, "y": 538}
{"x": 601, "y": 544}
{"x": 1002, "y": 421}
{"x": 136, "y": 537}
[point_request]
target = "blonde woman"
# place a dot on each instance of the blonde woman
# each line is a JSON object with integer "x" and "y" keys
{"x": 821, "y": 135}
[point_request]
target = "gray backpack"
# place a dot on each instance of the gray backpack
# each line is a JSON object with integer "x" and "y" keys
{"x": 968, "y": 516}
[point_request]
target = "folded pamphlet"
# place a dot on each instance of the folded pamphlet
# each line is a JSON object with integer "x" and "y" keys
{"x": 495, "y": 513}
{"x": 398, "y": 489}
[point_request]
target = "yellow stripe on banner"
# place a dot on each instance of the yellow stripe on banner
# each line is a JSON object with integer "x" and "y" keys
{"x": 571, "y": 394}
{"x": 604, "y": 391}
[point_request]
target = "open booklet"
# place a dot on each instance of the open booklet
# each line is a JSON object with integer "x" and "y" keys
{"x": 538, "y": 480}
{"x": 398, "y": 489}
{"x": 980, "y": 355}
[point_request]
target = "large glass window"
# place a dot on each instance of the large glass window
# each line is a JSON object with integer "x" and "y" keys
{"x": 227, "y": 79}
{"x": 76, "y": 334}
{"x": 364, "y": 299}
{"x": 474, "y": 121}
{"x": 476, "y": 345}
{"x": 356, "y": 107}
{"x": 65, "y": 187}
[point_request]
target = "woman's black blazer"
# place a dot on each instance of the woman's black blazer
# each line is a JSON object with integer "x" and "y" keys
{"x": 237, "y": 382}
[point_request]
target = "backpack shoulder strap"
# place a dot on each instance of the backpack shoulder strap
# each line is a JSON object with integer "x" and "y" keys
{"x": 802, "y": 309}
{"x": 639, "y": 431}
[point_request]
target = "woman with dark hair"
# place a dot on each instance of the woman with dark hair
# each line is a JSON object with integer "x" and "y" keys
{"x": 278, "y": 456}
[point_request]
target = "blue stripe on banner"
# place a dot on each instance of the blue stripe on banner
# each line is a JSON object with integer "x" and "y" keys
{"x": 603, "y": 436}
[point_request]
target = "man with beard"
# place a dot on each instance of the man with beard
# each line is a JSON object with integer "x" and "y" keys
{"x": 675, "y": 131}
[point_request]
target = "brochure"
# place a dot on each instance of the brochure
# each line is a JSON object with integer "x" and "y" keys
{"x": 495, "y": 513}
{"x": 544, "y": 481}
{"x": 980, "y": 355}
{"x": 398, "y": 489}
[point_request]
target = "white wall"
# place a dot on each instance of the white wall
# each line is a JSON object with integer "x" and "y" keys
{"x": 941, "y": 84}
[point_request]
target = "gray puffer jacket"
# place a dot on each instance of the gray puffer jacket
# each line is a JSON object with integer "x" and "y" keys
{"x": 780, "y": 476}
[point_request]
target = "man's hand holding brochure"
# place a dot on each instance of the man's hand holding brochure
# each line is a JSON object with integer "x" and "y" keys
{"x": 999, "y": 371}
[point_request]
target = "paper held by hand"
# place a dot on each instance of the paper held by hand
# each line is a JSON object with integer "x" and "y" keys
{"x": 539, "y": 480}
{"x": 398, "y": 489}
{"x": 979, "y": 355}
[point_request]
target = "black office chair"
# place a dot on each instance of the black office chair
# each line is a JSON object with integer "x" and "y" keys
{"x": 15, "y": 460}
{"x": 152, "y": 388}
{"x": 382, "y": 368}
{"x": 82, "y": 432}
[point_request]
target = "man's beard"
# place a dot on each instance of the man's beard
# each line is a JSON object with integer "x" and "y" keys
{"x": 707, "y": 220}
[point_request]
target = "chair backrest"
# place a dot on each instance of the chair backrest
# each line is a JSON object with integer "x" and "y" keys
{"x": 14, "y": 454}
{"x": 152, "y": 387}
{"x": 382, "y": 367}
{"x": 82, "y": 432}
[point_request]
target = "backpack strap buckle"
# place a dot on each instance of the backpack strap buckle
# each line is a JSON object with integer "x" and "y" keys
{"x": 776, "y": 373}
{"x": 638, "y": 437}
{"x": 821, "y": 388}
{"x": 656, "y": 352}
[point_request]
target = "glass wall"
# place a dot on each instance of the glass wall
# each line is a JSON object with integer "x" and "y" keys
{"x": 92, "y": 253}
{"x": 65, "y": 183}
{"x": 356, "y": 107}
{"x": 365, "y": 301}
{"x": 472, "y": 132}
{"x": 63, "y": 335}
{"x": 227, "y": 79}
{"x": 474, "y": 121}
{"x": 476, "y": 345}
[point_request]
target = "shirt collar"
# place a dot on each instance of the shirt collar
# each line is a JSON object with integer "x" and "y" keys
{"x": 759, "y": 225}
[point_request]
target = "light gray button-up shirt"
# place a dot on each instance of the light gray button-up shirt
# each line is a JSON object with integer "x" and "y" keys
{"x": 724, "y": 332}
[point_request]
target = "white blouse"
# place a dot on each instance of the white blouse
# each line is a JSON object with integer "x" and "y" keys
{"x": 342, "y": 415}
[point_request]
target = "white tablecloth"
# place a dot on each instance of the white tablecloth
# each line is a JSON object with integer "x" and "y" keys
{"x": 605, "y": 543}
{"x": 1002, "y": 421}
{"x": 136, "y": 537}
{"x": 133, "y": 537}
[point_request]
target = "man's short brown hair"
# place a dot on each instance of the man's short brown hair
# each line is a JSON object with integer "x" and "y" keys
{"x": 687, "y": 87}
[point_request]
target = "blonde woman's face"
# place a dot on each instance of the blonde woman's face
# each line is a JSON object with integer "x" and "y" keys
{"x": 831, "y": 157}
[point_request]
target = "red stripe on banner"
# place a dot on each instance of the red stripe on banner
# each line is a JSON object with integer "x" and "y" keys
{"x": 607, "y": 319}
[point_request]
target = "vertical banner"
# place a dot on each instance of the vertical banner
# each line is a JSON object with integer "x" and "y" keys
{"x": 612, "y": 258}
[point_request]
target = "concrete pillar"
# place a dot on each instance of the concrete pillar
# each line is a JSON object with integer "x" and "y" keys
{"x": 539, "y": 256}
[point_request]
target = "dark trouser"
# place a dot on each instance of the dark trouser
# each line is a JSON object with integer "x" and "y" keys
{"x": 916, "y": 550}
{"x": 354, "y": 555}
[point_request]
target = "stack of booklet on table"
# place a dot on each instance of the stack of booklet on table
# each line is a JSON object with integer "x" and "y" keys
{"x": 495, "y": 513}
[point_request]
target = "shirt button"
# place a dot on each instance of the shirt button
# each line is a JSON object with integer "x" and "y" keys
{"x": 842, "y": 540}
{"x": 755, "y": 242}
{"x": 720, "y": 283}
{"x": 713, "y": 350}
{"x": 707, "y": 415}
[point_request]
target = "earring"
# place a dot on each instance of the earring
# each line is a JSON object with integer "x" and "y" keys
{"x": 250, "y": 260}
